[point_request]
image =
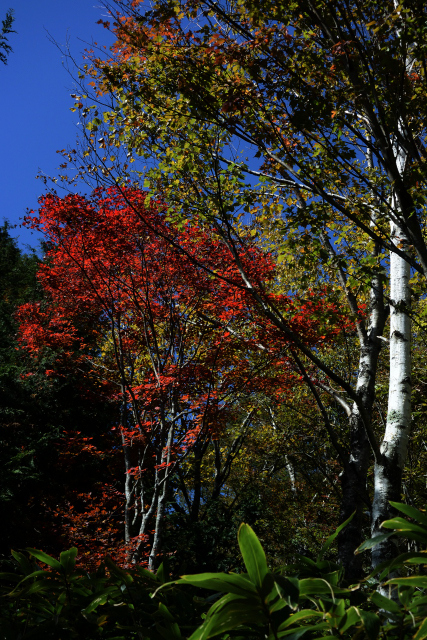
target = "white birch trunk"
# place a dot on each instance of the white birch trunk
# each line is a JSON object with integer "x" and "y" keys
{"x": 389, "y": 469}
{"x": 355, "y": 496}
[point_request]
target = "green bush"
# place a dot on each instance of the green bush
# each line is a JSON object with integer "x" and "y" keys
{"x": 64, "y": 602}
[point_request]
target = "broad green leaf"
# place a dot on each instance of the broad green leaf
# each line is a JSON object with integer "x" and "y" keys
{"x": 403, "y": 525}
{"x": 170, "y": 631}
{"x": 43, "y": 557}
{"x": 23, "y": 561}
{"x": 411, "y": 557}
{"x": 372, "y": 542}
{"x": 237, "y": 614}
{"x": 68, "y": 560}
{"x": 35, "y": 574}
{"x": 313, "y": 586}
{"x": 146, "y": 574}
{"x": 350, "y": 618}
{"x": 385, "y": 603}
{"x": 308, "y": 562}
{"x": 288, "y": 589}
{"x": 253, "y": 555}
{"x": 411, "y": 581}
{"x": 295, "y": 634}
{"x": 224, "y": 582}
{"x": 371, "y": 622}
{"x": 162, "y": 574}
{"x": 409, "y": 534}
{"x": 165, "y": 613}
{"x": 304, "y": 614}
{"x": 411, "y": 512}
{"x": 40, "y": 585}
{"x": 99, "y": 600}
{"x": 250, "y": 601}
{"x": 276, "y": 604}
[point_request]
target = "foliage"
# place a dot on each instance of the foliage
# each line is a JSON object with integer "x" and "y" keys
{"x": 302, "y": 123}
{"x": 5, "y": 47}
{"x": 36, "y": 408}
{"x": 303, "y": 599}
{"x": 154, "y": 316}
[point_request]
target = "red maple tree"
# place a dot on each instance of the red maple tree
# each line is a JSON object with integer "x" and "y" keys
{"x": 158, "y": 316}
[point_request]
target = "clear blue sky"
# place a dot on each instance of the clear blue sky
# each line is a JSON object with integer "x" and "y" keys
{"x": 35, "y": 97}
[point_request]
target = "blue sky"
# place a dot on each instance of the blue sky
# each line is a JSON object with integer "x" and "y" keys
{"x": 35, "y": 108}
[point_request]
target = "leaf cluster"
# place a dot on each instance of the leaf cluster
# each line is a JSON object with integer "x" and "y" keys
{"x": 306, "y": 599}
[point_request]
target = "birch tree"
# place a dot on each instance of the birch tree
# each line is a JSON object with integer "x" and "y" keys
{"x": 305, "y": 118}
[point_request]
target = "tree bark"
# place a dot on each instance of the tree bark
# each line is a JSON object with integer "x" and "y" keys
{"x": 389, "y": 469}
{"x": 355, "y": 497}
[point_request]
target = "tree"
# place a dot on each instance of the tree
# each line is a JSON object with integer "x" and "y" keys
{"x": 328, "y": 101}
{"x": 181, "y": 353}
{"x": 36, "y": 407}
{"x": 5, "y": 47}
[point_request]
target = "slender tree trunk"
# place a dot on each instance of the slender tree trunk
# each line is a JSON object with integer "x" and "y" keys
{"x": 127, "y": 460}
{"x": 389, "y": 469}
{"x": 156, "y": 547}
{"x": 355, "y": 497}
{"x": 291, "y": 472}
{"x": 153, "y": 560}
{"x": 353, "y": 485}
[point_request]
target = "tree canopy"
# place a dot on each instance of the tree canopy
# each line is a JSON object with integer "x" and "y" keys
{"x": 236, "y": 306}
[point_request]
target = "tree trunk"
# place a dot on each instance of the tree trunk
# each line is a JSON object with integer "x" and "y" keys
{"x": 354, "y": 499}
{"x": 389, "y": 469}
{"x": 153, "y": 561}
{"x": 355, "y": 496}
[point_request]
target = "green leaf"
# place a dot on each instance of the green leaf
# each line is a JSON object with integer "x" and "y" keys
{"x": 99, "y": 600}
{"x": 165, "y": 613}
{"x": 223, "y": 582}
{"x": 332, "y": 537}
{"x": 162, "y": 574}
{"x": 372, "y": 542}
{"x": 288, "y": 589}
{"x": 308, "y": 562}
{"x": 40, "y": 572}
{"x": 23, "y": 561}
{"x": 371, "y": 622}
{"x": 411, "y": 512}
{"x": 349, "y": 619}
{"x": 251, "y": 601}
{"x": 403, "y": 525}
{"x": 295, "y": 634}
{"x": 411, "y": 581}
{"x": 238, "y": 613}
{"x": 146, "y": 574}
{"x": 170, "y": 631}
{"x": 68, "y": 560}
{"x": 422, "y": 631}
{"x": 300, "y": 615}
{"x": 410, "y": 557}
{"x": 253, "y": 555}
{"x": 43, "y": 557}
{"x": 385, "y": 603}
{"x": 40, "y": 585}
{"x": 313, "y": 586}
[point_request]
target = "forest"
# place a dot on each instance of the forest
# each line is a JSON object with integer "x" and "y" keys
{"x": 213, "y": 375}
